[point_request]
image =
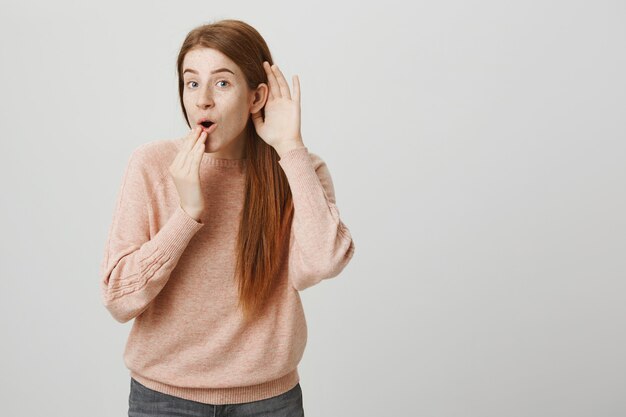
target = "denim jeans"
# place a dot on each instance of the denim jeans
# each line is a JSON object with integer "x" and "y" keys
{"x": 145, "y": 402}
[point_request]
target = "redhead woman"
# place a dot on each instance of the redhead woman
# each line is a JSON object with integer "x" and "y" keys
{"x": 214, "y": 235}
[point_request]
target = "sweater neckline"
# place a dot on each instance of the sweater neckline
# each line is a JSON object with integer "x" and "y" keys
{"x": 210, "y": 160}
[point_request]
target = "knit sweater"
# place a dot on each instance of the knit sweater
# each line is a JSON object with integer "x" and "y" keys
{"x": 175, "y": 277}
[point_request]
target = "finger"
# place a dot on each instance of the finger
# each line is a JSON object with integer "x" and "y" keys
{"x": 201, "y": 140}
{"x": 189, "y": 155}
{"x": 192, "y": 137}
{"x": 198, "y": 153}
{"x": 271, "y": 80}
{"x": 296, "y": 88}
{"x": 282, "y": 82}
{"x": 185, "y": 146}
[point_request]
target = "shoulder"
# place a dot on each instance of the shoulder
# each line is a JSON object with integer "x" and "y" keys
{"x": 152, "y": 159}
{"x": 156, "y": 150}
{"x": 317, "y": 161}
{"x": 323, "y": 173}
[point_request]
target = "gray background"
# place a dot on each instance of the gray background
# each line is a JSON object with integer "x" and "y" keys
{"x": 478, "y": 155}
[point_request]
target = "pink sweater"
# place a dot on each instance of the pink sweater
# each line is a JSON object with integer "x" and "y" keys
{"x": 174, "y": 276}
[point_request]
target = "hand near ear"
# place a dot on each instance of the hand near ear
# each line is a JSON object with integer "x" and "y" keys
{"x": 281, "y": 127}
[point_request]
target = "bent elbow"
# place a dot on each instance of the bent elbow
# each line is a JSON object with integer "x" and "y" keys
{"x": 308, "y": 274}
{"x": 119, "y": 314}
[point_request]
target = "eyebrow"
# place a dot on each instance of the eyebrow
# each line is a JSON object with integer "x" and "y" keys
{"x": 212, "y": 72}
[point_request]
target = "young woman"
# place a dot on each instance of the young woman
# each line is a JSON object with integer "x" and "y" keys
{"x": 215, "y": 233}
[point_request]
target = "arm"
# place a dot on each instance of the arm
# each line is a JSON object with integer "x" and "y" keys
{"x": 135, "y": 268}
{"x": 320, "y": 243}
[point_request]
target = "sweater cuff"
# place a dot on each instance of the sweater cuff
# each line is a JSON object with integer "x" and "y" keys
{"x": 177, "y": 232}
{"x": 299, "y": 169}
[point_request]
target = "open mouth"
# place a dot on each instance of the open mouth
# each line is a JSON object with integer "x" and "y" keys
{"x": 208, "y": 126}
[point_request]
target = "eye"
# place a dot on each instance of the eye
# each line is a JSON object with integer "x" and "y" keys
{"x": 220, "y": 81}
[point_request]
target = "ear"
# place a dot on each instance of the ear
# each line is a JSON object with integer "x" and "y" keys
{"x": 258, "y": 98}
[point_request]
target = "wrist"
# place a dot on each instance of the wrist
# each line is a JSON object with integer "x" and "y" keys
{"x": 287, "y": 146}
{"x": 194, "y": 214}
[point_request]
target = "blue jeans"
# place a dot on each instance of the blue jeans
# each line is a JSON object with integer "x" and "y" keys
{"x": 145, "y": 402}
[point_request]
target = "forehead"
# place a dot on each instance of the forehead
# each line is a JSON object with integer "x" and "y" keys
{"x": 205, "y": 60}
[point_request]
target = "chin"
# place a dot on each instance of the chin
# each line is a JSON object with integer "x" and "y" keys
{"x": 212, "y": 147}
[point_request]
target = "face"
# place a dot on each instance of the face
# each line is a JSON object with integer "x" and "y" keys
{"x": 215, "y": 88}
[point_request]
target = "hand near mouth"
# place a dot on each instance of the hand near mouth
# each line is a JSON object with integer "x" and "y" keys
{"x": 184, "y": 171}
{"x": 281, "y": 127}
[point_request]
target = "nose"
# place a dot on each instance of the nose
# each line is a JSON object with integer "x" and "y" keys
{"x": 205, "y": 99}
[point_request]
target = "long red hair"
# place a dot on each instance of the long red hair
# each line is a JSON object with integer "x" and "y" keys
{"x": 268, "y": 208}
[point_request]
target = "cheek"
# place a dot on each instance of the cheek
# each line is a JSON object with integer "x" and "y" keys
{"x": 243, "y": 118}
{"x": 186, "y": 101}
{"x": 239, "y": 114}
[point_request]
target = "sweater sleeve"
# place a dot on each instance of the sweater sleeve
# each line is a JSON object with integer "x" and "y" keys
{"x": 320, "y": 243}
{"x": 136, "y": 267}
